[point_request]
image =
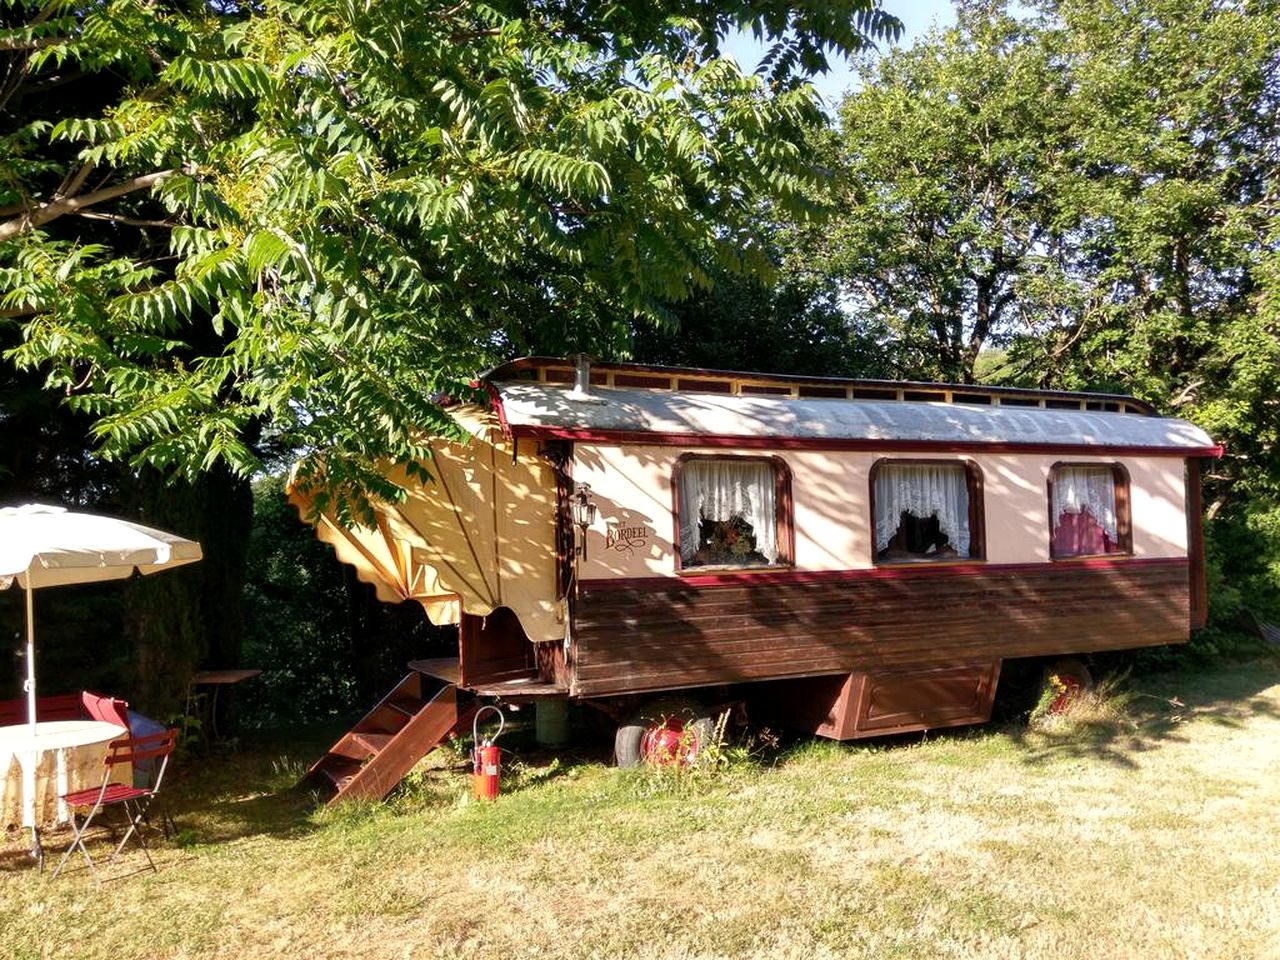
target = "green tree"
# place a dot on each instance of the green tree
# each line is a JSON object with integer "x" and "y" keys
{"x": 1171, "y": 206}
{"x": 1168, "y": 214}
{"x": 789, "y": 325}
{"x": 945, "y": 164}
{"x": 349, "y": 208}
{"x": 141, "y": 639}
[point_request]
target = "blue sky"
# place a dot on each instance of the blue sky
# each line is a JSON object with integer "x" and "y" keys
{"x": 917, "y": 17}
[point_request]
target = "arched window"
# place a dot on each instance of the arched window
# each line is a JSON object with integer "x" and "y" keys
{"x": 1089, "y": 510}
{"x": 732, "y": 512}
{"x": 927, "y": 510}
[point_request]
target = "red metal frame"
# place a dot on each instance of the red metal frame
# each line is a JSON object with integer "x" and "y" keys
{"x": 133, "y": 800}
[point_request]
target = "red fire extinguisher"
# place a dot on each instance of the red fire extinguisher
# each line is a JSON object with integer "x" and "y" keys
{"x": 486, "y": 767}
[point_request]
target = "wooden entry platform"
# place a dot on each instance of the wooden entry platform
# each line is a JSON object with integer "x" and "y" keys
{"x": 449, "y": 670}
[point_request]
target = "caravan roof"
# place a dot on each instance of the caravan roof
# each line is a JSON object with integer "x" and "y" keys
{"x": 622, "y": 415}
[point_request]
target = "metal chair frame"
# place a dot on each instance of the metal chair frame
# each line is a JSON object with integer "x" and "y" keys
{"x": 134, "y": 800}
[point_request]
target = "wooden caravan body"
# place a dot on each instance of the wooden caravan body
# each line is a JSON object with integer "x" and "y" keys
{"x": 857, "y": 626}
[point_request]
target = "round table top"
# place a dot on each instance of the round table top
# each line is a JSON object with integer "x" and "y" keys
{"x": 58, "y": 734}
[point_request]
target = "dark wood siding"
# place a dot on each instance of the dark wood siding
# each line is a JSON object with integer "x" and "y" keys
{"x": 662, "y": 633}
{"x": 493, "y": 648}
{"x": 1197, "y": 575}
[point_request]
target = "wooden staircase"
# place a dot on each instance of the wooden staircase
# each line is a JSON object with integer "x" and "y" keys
{"x": 371, "y": 758}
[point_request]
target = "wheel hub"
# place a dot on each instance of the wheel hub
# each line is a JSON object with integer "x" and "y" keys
{"x": 669, "y": 743}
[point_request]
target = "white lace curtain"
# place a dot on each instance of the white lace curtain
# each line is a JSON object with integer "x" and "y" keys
{"x": 1094, "y": 488}
{"x": 721, "y": 489}
{"x": 930, "y": 489}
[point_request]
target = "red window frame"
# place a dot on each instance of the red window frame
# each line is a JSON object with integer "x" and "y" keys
{"x": 1124, "y": 519}
{"x": 785, "y": 514}
{"x": 977, "y": 514}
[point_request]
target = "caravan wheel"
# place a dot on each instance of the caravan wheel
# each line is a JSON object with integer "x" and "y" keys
{"x": 663, "y": 733}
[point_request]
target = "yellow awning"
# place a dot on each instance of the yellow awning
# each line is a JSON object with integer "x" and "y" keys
{"x": 479, "y": 535}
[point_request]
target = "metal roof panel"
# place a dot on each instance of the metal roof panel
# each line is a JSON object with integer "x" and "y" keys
{"x": 533, "y": 408}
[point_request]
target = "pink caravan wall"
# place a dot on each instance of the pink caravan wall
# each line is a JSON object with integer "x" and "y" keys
{"x": 634, "y": 532}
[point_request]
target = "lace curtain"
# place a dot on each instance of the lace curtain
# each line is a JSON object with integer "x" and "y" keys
{"x": 1093, "y": 488}
{"x": 926, "y": 490}
{"x": 722, "y": 489}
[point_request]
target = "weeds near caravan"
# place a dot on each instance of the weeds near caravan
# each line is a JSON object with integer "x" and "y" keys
{"x": 1106, "y": 708}
{"x": 717, "y": 762}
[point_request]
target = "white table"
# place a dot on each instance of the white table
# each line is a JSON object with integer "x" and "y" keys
{"x": 61, "y": 737}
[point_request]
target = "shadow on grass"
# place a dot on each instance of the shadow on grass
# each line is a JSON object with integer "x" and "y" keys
{"x": 213, "y": 798}
{"x": 1149, "y": 712}
{"x": 1153, "y": 711}
{"x": 253, "y": 791}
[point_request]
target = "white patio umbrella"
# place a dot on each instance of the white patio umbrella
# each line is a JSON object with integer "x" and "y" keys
{"x": 43, "y": 546}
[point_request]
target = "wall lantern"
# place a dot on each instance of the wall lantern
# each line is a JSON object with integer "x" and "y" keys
{"x": 584, "y": 512}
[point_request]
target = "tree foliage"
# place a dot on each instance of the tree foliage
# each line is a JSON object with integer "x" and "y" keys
{"x": 945, "y": 162}
{"x": 349, "y": 208}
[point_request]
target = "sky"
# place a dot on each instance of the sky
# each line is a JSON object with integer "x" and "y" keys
{"x": 917, "y": 17}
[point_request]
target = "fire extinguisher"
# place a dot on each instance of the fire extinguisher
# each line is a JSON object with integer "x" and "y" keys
{"x": 486, "y": 767}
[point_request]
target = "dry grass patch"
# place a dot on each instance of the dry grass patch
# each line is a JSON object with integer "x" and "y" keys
{"x": 1148, "y": 835}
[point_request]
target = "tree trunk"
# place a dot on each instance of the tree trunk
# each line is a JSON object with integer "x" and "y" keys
{"x": 183, "y": 620}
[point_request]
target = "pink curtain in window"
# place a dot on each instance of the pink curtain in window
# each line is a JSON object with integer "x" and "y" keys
{"x": 1080, "y": 535}
{"x": 1084, "y": 510}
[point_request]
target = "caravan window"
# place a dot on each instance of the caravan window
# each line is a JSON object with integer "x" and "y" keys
{"x": 1088, "y": 510}
{"x": 927, "y": 510}
{"x": 732, "y": 511}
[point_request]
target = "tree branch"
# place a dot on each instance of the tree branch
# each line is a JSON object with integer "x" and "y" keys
{"x": 73, "y": 182}
{"x": 10, "y": 44}
{"x": 116, "y": 218}
{"x": 35, "y": 215}
{"x": 470, "y": 35}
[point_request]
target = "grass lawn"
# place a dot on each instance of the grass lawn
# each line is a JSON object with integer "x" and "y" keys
{"x": 1152, "y": 836}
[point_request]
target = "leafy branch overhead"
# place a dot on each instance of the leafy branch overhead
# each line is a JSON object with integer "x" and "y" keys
{"x": 301, "y": 224}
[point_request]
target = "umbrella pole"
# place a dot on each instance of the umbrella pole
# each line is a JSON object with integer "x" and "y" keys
{"x": 30, "y": 685}
{"x": 29, "y": 767}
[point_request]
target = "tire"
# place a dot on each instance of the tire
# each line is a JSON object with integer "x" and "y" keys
{"x": 1068, "y": 679}
{"x": 671, "y": 731}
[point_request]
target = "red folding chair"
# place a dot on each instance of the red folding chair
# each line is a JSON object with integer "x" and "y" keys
{"x": 133, "y": 800}
{"x": 105, "y": 709}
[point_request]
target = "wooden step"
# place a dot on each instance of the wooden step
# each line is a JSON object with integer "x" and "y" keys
{"x": 336, "y": 771}
{"x": 374, "y": 756}
{"x": 406, "y": 705}
{"x": 371, "y": 741}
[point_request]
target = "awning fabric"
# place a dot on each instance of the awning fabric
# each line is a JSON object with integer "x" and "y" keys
{"x": 479, "y": 535}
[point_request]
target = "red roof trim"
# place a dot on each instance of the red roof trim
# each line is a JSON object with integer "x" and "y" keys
{"x": 619, "y": 437}
{"x": 495, "y": 398}
{"x": 900, "y": 571}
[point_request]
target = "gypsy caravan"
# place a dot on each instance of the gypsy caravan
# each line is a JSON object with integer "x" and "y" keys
{"x": 851, "y": 557}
